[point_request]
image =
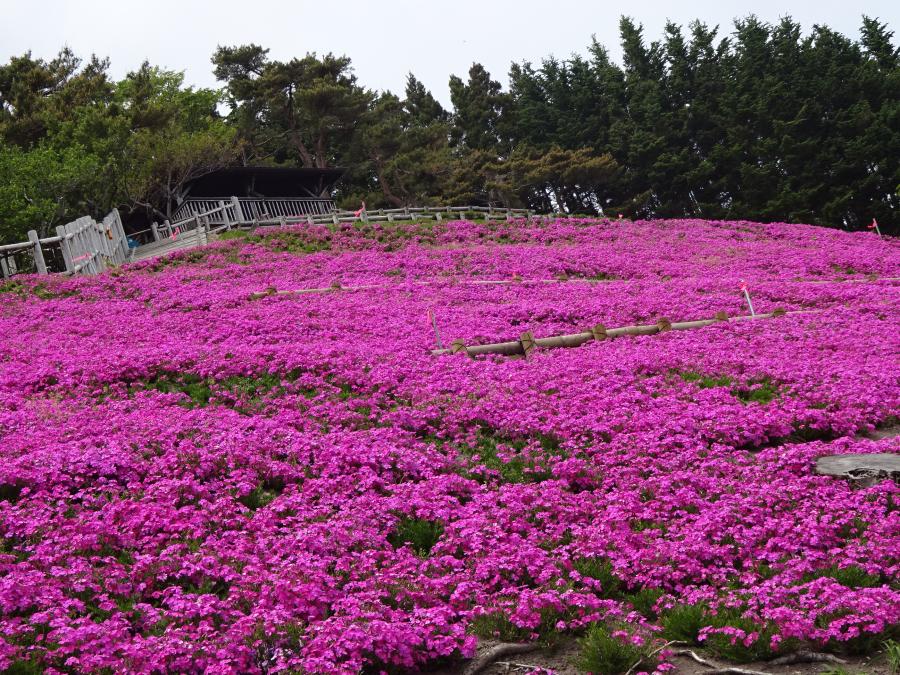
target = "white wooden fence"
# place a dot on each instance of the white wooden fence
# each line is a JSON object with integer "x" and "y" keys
{"x": 83, "y": 246}
{"x": 86, "y": 246}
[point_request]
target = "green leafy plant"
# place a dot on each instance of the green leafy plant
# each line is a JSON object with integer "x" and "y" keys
{"x": 421, "y": 534}
{"x": 892, "y": 651}
{"x": 603, "y": 654}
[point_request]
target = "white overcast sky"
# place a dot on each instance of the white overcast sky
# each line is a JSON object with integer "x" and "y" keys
{"x": 385, "y": 39}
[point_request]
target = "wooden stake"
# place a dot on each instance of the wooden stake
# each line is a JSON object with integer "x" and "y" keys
{"x": 527, "y": 342}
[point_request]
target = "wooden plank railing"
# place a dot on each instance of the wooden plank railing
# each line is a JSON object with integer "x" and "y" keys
{"x": 83, "y": 246}
{"x": 253, "y": 208}
{"x": 86, "y": 246}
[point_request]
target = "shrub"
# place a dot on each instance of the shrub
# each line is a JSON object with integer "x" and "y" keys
{"x": 604, "y": 654}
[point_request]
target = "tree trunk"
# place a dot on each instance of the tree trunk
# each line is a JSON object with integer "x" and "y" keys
{"x": 301, "y": 148}
{"x": 385, "y": 186}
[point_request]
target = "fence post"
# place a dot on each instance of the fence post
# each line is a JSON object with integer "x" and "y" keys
{"x": 309, "y": 219}
{"x": 238, "y": 211}
{"x": 225, "y": 217}
{"x": 93, "y": 243}
{"x": 4, "y": 268}
{"x": 120, "y": 233}
{"x": 39, "y": 263}
{"x": 437, "y": 216}
{"x": 64, "y": 247}
{"x": 155, "y": 229}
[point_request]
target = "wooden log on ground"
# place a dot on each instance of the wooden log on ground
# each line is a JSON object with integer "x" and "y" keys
{"x": 598, "y": 332}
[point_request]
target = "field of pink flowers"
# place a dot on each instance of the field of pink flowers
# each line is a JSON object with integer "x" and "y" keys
{"x": 195, "y": 478}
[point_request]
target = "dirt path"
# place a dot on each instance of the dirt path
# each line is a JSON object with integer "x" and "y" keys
{"x": 560, "y": 660}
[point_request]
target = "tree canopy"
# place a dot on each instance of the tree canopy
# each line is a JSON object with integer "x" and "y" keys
{"x": 763, "y": 122}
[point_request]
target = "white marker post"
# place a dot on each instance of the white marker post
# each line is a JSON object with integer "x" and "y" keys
{"x": 434, "y": 325}
{"x": 874, "y": 226}
{"x": 747, "y": 295}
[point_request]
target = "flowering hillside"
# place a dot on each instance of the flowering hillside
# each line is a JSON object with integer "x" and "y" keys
{"x": 199, "y": 472}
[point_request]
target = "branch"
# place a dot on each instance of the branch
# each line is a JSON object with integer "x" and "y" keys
{"x": 804, "y": 656}
{"x": 528, "y": 667}
{"x": 716, "y": 669}
{"x": 498, "y": 652}
{"x": 649, "y": 655}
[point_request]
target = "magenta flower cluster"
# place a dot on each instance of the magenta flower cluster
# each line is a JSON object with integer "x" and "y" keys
{"x": 195, "y": 478}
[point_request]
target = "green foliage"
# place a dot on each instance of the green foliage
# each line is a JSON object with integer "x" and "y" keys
{"x": 603, "y": 653}
{"x": 200, "y": 390}
{"x": 644, "y": 601}
{"x": 507, "y": 456}
{"x": 601, "y": 570}
{"x": 761, "y": 122}
{"x": 233, "y": 234}
{"x": 496, "y": 626}
{"x": 683, "y": 622}
{"x": 258, "y": 498}
{"x": 195, "y": 387}
{"x": 39, "y": 187}
{"x": 302, "y": 112}
{"x": 421, "y": 534}
{"x": 851, "y": 576}
{"x": 76, "y": 143}
{"x": 761, "y": 390}
{"x": 706, "y": 381}
{"x": 721, "y": 645}
{"x": 892, "y": 652}
{"x": 27, "y": 667}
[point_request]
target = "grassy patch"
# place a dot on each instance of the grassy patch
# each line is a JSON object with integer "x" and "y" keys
{"x": 603, "y": 653}
{"x": 510, "y": 462}
{"x": 496, "y": 626}
{"x": 705, "y": 381}
{"x": 421, "y": 534}
{"x": 684, "y": 622}
{"x": 233, "y": 234}
{"x": 40, "y": 290}
{"x": 760, "y": 390}
{"x": 892, "y": 653}
{"x": 30, "y": 666}
{"x": 600, "y": 569}
{"x": 851, "y": 576}
{"x": 258, "y": 498}
{"x": 200, "y": 390}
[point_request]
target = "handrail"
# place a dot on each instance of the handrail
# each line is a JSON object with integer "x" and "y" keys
{"x": 88, "y": 246}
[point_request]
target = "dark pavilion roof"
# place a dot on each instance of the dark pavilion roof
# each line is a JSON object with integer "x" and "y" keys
{"x": 263, "y": 181}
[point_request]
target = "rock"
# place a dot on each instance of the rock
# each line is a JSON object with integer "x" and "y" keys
{"x": 861, "y": 467}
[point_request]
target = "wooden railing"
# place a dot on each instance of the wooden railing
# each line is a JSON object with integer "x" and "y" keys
{"x": 252, "y": 208}
{"x": 83, "y": 246}
{"x": 390, "y": 215}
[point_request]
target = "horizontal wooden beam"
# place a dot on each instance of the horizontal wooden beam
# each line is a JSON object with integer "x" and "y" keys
{"x": 524, "y": 345}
